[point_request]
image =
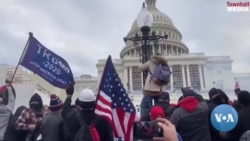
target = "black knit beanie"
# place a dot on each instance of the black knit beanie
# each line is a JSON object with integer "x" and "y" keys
{"x": 36, "y": 101}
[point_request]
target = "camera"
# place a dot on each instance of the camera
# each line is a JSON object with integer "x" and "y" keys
{"x": 146, "y": 130}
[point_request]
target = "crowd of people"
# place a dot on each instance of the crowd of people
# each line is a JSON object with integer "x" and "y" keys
{"x": 186, "y": 120}
{"x": 60, "y": 121}
{"x": 192, "y": 113}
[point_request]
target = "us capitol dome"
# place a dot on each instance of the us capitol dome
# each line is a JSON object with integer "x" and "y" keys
{"x": 189, "y": 69}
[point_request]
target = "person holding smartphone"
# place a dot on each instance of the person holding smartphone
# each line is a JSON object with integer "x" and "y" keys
{"x": 169, "y": 131}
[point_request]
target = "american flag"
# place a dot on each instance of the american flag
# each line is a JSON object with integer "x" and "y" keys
{"x": 114, "y": 105}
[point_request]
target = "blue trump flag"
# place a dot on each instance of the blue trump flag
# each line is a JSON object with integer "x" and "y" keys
{"x": 46, "y": 64}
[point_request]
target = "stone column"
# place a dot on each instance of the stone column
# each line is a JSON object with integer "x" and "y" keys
{"x": 205, "y": 76}
{"x": 172, "y": 50}
{"x": 130, "y": 79}
{"x": 201, "y": 79}
{"x": 171, "y": 79}
{"x": 183, "y": 76}
{"x": 125, "y": 77}
{"x": 188, "y": 77}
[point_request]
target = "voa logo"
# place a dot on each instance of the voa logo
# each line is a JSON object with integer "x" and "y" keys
{"x": 224, "y": 118}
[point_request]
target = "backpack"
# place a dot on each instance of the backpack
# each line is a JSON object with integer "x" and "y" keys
{"x": 161, "y": 74}
{"x": 12, "y": 134}
{"x": 87, "y": 132}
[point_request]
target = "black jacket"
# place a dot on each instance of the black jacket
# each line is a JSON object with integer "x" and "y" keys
{"x": 237, "y": 105}
{"x": 52, "y": 128}
{"x": 218, "y": 99}
{"x": 191, "y": 120}
{"x": 243, "y": 124}
{"x": 70, "y": 117}
{"x": 215, "y": 134}
{"x": 12, "y": 134}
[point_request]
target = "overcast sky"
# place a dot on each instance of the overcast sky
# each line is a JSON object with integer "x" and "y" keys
{"x": 83, "y": 31}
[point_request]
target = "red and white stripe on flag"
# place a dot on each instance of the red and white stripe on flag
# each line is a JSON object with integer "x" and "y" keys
{"x": 114, "y": 104}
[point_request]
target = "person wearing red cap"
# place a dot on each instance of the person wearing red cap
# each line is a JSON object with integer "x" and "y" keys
{"x": 156, "y": 112}
{"x": 52, "y": 128}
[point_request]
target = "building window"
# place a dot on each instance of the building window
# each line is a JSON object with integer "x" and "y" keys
{"x": 177, "y": 77}
{"x": 136, "y": 78}
{"x": 169, "y": 49}
{"x": 194, "y": 77}
{"x": 156, "y": 49}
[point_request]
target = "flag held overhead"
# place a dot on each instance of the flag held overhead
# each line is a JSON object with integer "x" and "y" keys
{"x": 46, "y": 64}
{"x": 114, "y": 104}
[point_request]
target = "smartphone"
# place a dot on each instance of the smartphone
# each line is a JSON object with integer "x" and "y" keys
{"x": 146, "y": 130}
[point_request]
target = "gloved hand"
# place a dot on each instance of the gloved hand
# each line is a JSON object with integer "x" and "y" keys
{"x": 70, "y": 90}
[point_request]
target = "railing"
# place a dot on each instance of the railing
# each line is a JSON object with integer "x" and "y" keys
{"x": 189, "y": 55}
{"x": 168, "y": 55}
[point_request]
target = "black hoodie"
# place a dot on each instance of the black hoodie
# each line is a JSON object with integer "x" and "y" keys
{"x": 243, "y": 124}
{"x": 70, "y": 118}
{"x": 216, "y": 97}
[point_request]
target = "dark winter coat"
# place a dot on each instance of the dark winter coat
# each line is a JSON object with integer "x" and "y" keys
{"x": 191, "y": 119}
{"x": 73, "y": 125}
{"x": 52, "y": 128}
{"x": 215, "y": 134}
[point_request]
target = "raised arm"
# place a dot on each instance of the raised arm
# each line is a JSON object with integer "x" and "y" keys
{"x": 145, "y": 66}
{"x": 67, "y": 103}
{"x": 11, "y": 99}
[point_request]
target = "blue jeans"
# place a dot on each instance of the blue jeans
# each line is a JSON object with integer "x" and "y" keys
{"x": 146, "y": 104}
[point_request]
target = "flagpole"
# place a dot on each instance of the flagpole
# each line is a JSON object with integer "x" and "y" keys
{"x": 101, "y": 79}
{"x": 30, "y": 35}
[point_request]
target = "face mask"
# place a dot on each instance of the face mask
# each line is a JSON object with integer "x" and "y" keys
{"x": 36, "y": 107}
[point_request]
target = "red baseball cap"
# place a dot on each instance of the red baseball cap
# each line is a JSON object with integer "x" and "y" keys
{"x": 156, "y": 112}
